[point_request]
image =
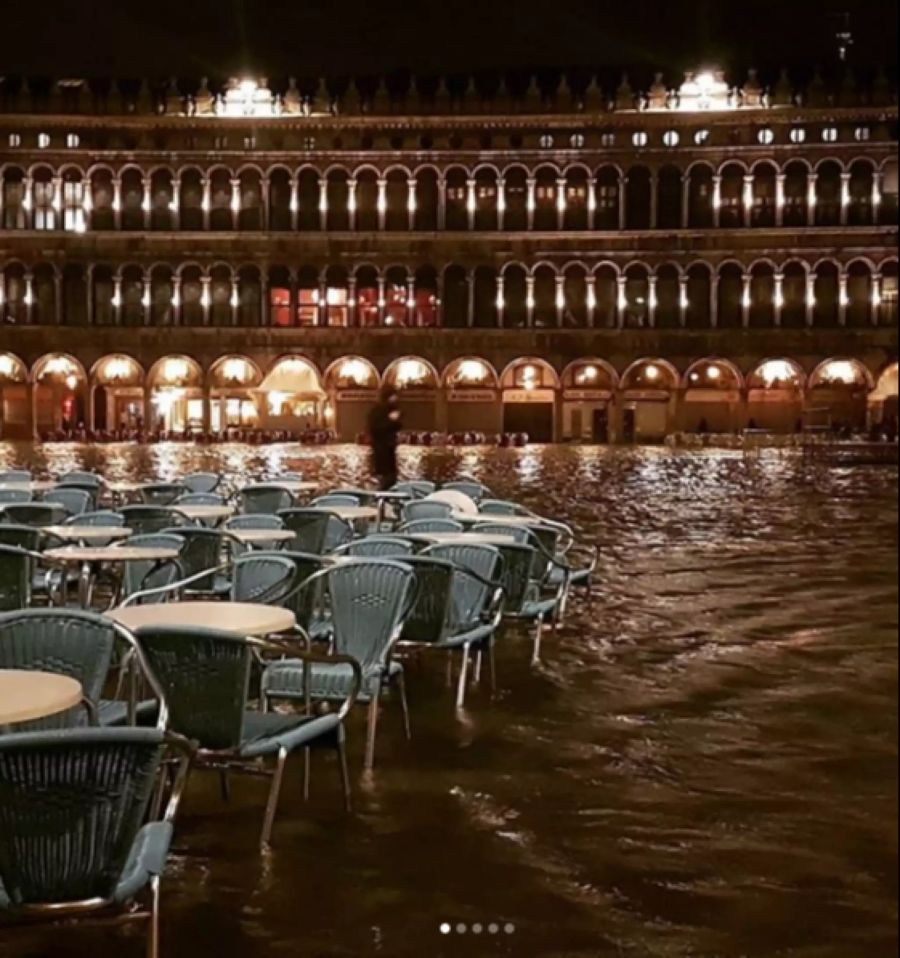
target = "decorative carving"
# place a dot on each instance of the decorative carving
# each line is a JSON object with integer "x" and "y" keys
{"x": 204, "y": 101}
{"x": 625, "y": 98}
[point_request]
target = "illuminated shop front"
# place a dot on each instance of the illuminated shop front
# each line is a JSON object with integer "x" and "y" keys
{"x": 117, "y": 395}
{"x": 775, "y": 397}
{"x": 649, "y": 395}
{"x": 352, "y": 386}
{"x": 416, "y": 382}
{"x": 60, "y": 394}
{"x": 529, "y": 399}
{"x": 234, "y": 402}
{"x": 589, "y": 388}
{"x": 712, "y": 401}
{"x": 472, "y": 391}
{"x": 291, "y": 397}
{"x": 176, "y": 406}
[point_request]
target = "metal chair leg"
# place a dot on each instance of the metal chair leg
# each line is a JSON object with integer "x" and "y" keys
{"x": 479, "y": 660}
{"x": 492, "y": 665}
{"x": 307, "y": 772}
{"x": 153, "y": 930}
{"x": 225, "y": 785}
{"x": 404, "y": 702}
{"x": 538, "y": 635}
{"x": 274, "y": 794}
{"x": 372, "y": 730}
{"x": 345, "y": 773}
{"x": 463, "y": 678}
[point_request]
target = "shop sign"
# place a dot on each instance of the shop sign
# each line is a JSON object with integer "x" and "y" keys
{"x": 647, "y": 395}
{"x": 587, "y": 395}
{"x": 529, "y": 396}
{"x": 713, "y": 395}
{"x": 472, "y": 395}
{"x": 356, "y": 395}
{"x": 773, "y": 395}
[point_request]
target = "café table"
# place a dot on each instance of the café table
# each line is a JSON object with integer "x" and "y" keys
{"x": 35, "y": 485}
{"x": 88, "y": 557}
{"x": 88, "y": 534}
{"x": 294, "y": 486}
{"x": 30, "y": 696}
{"x": 205, "y": 514}
{"x": 237, "y": 618}
{"x": 465, "y": 538}
{"x": 261, "y": 538}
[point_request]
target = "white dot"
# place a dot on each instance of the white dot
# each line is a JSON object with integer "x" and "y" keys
{"x": 509, "y": 929}
{"x": 446, "y": 929}
{"x": 477, "y": 929}
{"x": 493, "y": 929}
{"x": 461, "y": 929}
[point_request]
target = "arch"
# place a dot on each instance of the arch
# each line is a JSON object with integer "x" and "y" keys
{"x": 887, "y": 385}
{"x": 470, "y": 372}
{"x": 777, "y": 373}
{"x": 58, "y": 364}
{"x": 639, "y": 375}
{"x": 175, "y": 371}
{"x": 411, "y": 372}
{"x": 508, "y": 376}
{"x": 841, "y": 371}
{"x": 117, "y": 369}
{"x": 352, "y": 372}
{"x": 291, "y": 365}
{"x": 702, "y": 366}
{"x": 12, "y": 369}
{"x": 570, "y": 373}
{"x": 234, "y": 372}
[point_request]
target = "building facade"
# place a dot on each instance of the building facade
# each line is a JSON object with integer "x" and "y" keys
{"x": 575, "y": 266}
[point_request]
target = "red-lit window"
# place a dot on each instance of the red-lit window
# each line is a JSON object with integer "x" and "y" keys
{"x": 307, "y": 307}
{"x": 395, "y": 308}
{"x": 368, "y": 307}
{"x": 426, "y": 308}
{"x": 280, "y": 306}
{"x": 337, "y": 306}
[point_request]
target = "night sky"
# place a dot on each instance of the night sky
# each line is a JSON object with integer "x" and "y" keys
{"x": 190, "y": 38}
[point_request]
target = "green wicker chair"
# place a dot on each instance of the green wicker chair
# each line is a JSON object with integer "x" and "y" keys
{"x": 11, "y": 497}
{"x": 15, "y": 476}
{"x": 475, "y": 490}
{"x": 427, "y": 509}
{"x": 368, "y": 602}
{"x": 202, "y": 482}
{"x": 316, "y": 531}
{"x": 266, "y": 499}
{"x": 146, "y": 520}
{"x": 75, "y": 841}
{"x": 74, "y": 501}
{"x": 205, "y": 676}
{"x": 162, "y": 493}
{"x": 141, "y": 576}
{"x": 37, "y": 514}
{"x": 421, "y": 527}
{"x": 78, "y": 477}
{"x": 418, "y": 488}
{"x": 377, "y": 547}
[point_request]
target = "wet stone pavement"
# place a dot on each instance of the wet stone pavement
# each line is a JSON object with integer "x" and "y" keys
{"x": 704, "y": 764}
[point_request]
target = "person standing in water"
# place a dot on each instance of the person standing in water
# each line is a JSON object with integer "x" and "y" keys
{"x": 385, "y": 423}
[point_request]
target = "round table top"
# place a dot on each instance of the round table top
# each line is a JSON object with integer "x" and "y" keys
{"x": 388, "y": 495}
{"x": 76, "y": 533}
{"x": 486, "y": 517}
{"x": 458, "y": 501}
{"x": 351, "y": 513}
{"x": 110, "y": 554}
{"x": 28, "y": 696}
{"x": 260, "y": 537}
{"x": 125, "y": 485}
{"x": 466, "y": 539}
{"x": 36, "y": 485}
{"x": 293, "y": 485}
{"x": 205, "y": 512}
{"x": 238, "y": 618}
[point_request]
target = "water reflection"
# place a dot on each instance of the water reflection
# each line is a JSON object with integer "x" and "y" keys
{"x": 705, "y": 764}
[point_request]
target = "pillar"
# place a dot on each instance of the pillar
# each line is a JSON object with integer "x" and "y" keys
{"x": 532, "y": 201}
{"x": 470, "y": 292}
{"x": 147, "y": 200}
{"x": 29, "y": 298}
{"x": 31, "y": 408}
{"x": 265, "y": 188}
{"x": 685, "y": 200}
{"x": 501, "y": 203}
{"x": 411, "y": 301}
{"x": 560, "y": 300}
{"x": 877, "y": 193}
{"x": 621, "y": 301}
{"x": 176, "y": 300}
{"x": 592, "y": 202}
{"x": 779, "y": 299}
{"x": 204, "y": 298}
{"x": 745, "y": 301}
{"x": 117, "y": 202}
{"x": 714, "y": 301}
{"x": 875, "y": 311}
{"x": 382, "y": 203}
{"x": 812, "y": 180}
{"x": 501, "y": 299}
{"x": 58, "y": 297}
{"x": 147, "y": 300}
{"x": 717, "y": 200}
{"x": 207, "y": 410}
{"x": 843, "y": 299}
{"x": 780, "y": 180}
{"x": 810, "y": 299}
{"x": 352, "y": 320}
{"x": 235, "y": 203}
{"x": 591, "y": 282}
{"x": 561, "y": 203}
{"x": 323, "y": 203}
{"x": 683, "y": 301}
{"x": 654, "y": 199}
{"x": 471, "y": 203}
{"x": 529, "y": 301}
{"x": 351, "y": 203}
{"x": 235, "y": 300}
{"x": 845, "y": 198}
{"x": 442, "y": 202}
{"x": 175, "y": 204}
{"x": 622, "y": 206}
{"x": 748, "y": 199}
{"x": 411, "y": 204}
{"x": 652, "y": 302}
{"x": 381, "y": 301}
{"x": 56, "y": 203}
{"x": 205, "y": 184}
{"x": 322, "y": 303}
{"x": 117, "y": 300}
{"x": 295, "y": 204}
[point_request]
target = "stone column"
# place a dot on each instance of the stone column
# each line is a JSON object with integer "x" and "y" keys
{"x": 683, "y": 301}
{"x": 382, "y": 203}
{"x": 812, "y": 180}
{"x": 877, "y": 193}
{"x": 685, "y": 200}
{"x": 442, "y": 202}
{"x": 175, "y": 204}
{"x": 560, "y": 300}
{"x": 748, "y": 199}
{"x": 147, "y": 299}
{"x": 295, "y": 204}
{"x": 147, "y": 201}
{"x": 351, "y": 302}
{"x": 652, "y": 302}
{"x": 31, "y": 408}
{"x": 780, "y": 180}
{"x": 235, "y": 300}
{"x": 235, "y": 203}
{"x": 623, "y": 210}
{"x": 875, "y": 311}
{"x": 843, "y": 299}
{"x": 654, "y": 199}
{"x": 204, "y": 298}
{"x": 746, "y": 300}
{"x": 57, "y": 297}
{"x": 411, "y": 204}
{"x": 621, "y": 301}
{"x": 561, "y": 203}
{"x": 529, "y": 301}
{"x": 779, "y": 299}
{"x": 117, "y": 202}
{"x": 176, "y": 300}
{"x": 845, "y": 198}
{"x": 56, "y": 202}
{"x": 411, "y": 301}
{"x": 351, "y": 203}
{"x": 265, "y": 188}
{"x": 381, "y": 301}
{"x": 501, "y": 300}
{"x": 501, "y": 203}
{"x": 323, "y": 302}
{"x": 471, "y": 203}
{"x": 592, "y": 203}
{"x": 470, "y": 292}
{"x": 117, "y": 300}
{"x": 205, "y": 184}
{"x": 717, "y": 200}
{"x": 810, "y": 299}
{"x": 323, "y": 203}
{"x": 531, "y": 201}
{"x": 714, "y": 301}
{"x": 592, "y": 300}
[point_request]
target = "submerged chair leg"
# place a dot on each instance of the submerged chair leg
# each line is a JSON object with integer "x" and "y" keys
{"x": 538, "y": 635}
{"x": 307, "y": 772}
{"x": 463, "y": 678}
{"x": 345, "y": 772}
{"x": 492, "y": 665}
{"x": 153, "y": 922}
{"x": 372, "y": 731}
{"x": 404, "y": 702}
{"x": 225, "y": 785}
{"x": 479, "y": 661}
{"x": 274, "y": 794}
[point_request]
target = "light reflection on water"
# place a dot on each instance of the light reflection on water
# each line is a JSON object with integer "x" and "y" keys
{"x": 705, "y": 764}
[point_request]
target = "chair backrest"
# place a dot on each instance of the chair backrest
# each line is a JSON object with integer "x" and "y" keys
{"x": 12, "y": 476}
{"x": 426, "y": 509}
{"x": 80, "y": 478}
{"x": 378, "y": 547}
{"x": 260, "y": 521}
{"x": 472, "y": 594}
{"x": 266, "y": 579}
{"x": 335, "y": 501}
{"x": 141, "y": 576}
{"x": 74, "y": 501}
{"x": 71, "y": 806}
{"x": 199, "y": 482}
{"x": 37, "y": 514}
{"x": 161, "y": 493}
{"x": 468, "y": 487}
{"x": 418, "y": 488}
{"x": 306, "y": 603}
{"x": 369, "y": 600}
{"x": 517, "y": 576}
{"x": 266, "y": 499}
{"x": 424, "y": 526}
{"x": 145, "y": 520}
{"x": 63, "y": 641}
{"x": 500, "y": 507}
{"x": 105, "y": 519}
{"x": 428, "y": 621}
{"x": 520, "y": 534}
{"x": 22, "y": 537}
{"x": 199, "y": 499}
{"x": 203, "y": 549}
{"x": 8, "y": 496}
{"x": 310, "y": 528}
{"x": 15, "y": 578}
{"x": 204, "y": 675}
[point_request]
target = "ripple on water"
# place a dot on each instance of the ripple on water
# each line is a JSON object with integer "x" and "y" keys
{"x": 704, "y": 765}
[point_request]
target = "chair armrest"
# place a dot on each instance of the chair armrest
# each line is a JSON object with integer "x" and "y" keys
{"x": 175, "y": 586}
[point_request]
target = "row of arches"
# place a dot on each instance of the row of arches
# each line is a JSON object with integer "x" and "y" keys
{"x": 291, "y": 393}
{"x": 545, "y": 197}
{"x": 760, "y": 294}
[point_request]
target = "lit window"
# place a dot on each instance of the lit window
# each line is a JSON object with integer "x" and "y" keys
{"x": 43, "y": 140}
{"x": 15, "y": 139}
{"x": 577, "y": 141}
{"x": 640, "y": 138}
{"x": 221, "y": 143}
{"x": 73, "y": 141}
{"x": 701, "y": 137}
{"x": 309, "y": 143}
{"x": 862, "y": 134}
{"x": 766, "y": 136}
{"x": 798, "y": 135}
{"x": 607, "y": 139}
{"x": 546, "y": 142}
{"x": 249, "y": 142}
{"x": 830, "y": 134}
{"x": 671, "y": 138}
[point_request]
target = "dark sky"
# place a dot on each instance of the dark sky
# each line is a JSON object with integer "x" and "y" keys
{"x": 364, "y": 37}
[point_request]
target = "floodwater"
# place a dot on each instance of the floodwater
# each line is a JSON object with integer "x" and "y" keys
{"x": 704, "y": 765}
